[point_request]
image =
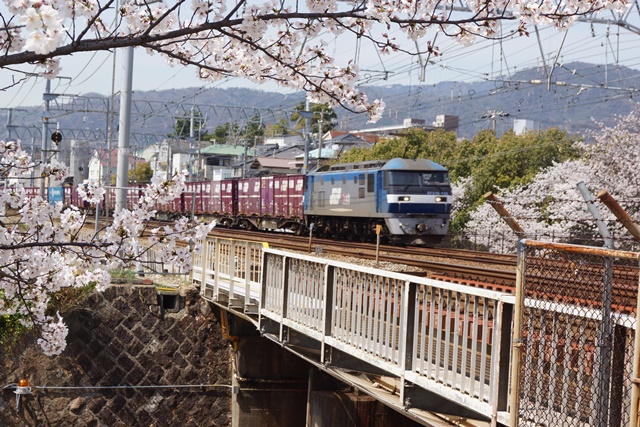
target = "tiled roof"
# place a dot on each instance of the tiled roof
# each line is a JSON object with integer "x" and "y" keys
{"x": 274, "y": 162}
{"x": 234, "y": 150}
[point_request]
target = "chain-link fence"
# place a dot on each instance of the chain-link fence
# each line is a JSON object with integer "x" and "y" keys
{"x": 506, "y": 241}
{"x": 576, "y": 329}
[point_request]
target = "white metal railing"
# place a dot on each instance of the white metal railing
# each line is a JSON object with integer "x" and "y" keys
{"x": 451, "y": 340}
{"x": 229, "y": 270}
{"x": 443, "y": 337}
{"x": 446, "y": 338}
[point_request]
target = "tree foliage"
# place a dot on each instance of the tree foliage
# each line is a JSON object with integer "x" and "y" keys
{"x": 252, "y": 131}
{"x": 225, "y": 133}
{"x": 320, "y": 113}
{"x": 296, "y": 122}
{"x": 549, "y": 206}
{"x": 182, "y": 127}
{"x": 141, "y": 173}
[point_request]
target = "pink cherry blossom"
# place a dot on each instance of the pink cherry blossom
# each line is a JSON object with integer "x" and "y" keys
{"x": 44, "y": 248}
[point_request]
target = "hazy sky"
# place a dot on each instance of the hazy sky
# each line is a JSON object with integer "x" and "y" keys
{"x": 93, "y": 72}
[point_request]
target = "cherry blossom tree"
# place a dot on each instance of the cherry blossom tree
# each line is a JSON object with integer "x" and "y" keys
{"x": 283, "y": 41}
{"x": 42, "y": 247}
{"x": 551, "y": 208}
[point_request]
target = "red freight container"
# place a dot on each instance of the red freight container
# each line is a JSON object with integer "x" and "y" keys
{"x": 266, "y": 196}
{"x": 205, "y": 197}
{"x": 280, "y": 196}
{"x": 67, "y": 198}
{"x": 133, "y": 195}
{"x": 71, "y": 198}
{"x": 287, "y": 193}
{"x": 215, "y": 195}
{"x": 193, "y": 189}
{"x": 229, "y": 196}
{"x": 296, "y": 194}
{"x": 32, "y": 192}
{"x": 200, "y": 198}
{"x": 200, "y": 186}
{"x": 249, "y": 196}
{"x": 186, "y": 198}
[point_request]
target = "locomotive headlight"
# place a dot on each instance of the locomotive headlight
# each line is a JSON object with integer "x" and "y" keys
{"x": 404, "y": 198}
{"x": 441, "y": 199}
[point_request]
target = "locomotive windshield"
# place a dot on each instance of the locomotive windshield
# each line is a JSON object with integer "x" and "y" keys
{"x": 415, "y": 181}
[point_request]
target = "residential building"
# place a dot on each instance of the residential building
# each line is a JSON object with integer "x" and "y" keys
{"x": 103, "y": 165}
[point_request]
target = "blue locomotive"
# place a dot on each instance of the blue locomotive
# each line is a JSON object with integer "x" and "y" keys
{"x": 405, "y": 201}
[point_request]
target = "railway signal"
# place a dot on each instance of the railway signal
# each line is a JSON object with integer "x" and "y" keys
{"x": 56, "y": 137}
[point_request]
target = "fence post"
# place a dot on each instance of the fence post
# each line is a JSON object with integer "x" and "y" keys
{"x": 203, "y": 264}
{"x": 247, "y": 274}
{"x": 605, "y": 347}
{"x": 517, "y": 336}
{"x": 407, "y": 326}
{"x": 286, "y": 263}
{"x": 329, "y": 305}
{"x": 216, "y": 268}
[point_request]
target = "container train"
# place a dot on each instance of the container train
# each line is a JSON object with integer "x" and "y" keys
{"x": 404, "y": 201}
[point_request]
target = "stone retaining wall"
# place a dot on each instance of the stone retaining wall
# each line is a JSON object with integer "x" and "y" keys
{"x": 124, "y": 337}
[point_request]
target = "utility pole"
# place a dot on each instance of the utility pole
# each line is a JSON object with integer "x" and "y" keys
{"x": 320, "y": 139}
{"x": 122, "y": 177}
{"x": 9, "y": 116}
{"x": 45, "y": 131}
{"x": 244, "y": 158}
{"x": 307, "y": 117}
{"x": 191, "y": 143}
{"x": 497, "y": 205}
{"x": 307, "y": 114}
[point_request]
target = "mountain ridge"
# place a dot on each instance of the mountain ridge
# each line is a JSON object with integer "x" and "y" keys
{"x": 573, "y": 98}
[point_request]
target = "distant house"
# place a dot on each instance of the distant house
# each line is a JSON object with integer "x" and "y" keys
{"x": 367, "y": 137}
{"x": 103, "y": 165}
{"x": 284, "y": 140}
{"x": 334, "y": 147}
{"x": 274, "y": 166}
{"x": 169, "y": 157}
{"x": 289, "y": 152}
{"x": 219, "y": 161}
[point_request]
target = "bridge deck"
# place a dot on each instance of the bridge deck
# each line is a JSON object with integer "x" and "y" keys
{"x": 434, "y": 350}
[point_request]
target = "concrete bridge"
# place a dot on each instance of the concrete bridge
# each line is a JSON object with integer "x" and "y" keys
{"x": 562, "y": 351}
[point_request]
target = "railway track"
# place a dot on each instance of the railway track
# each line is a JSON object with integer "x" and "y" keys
{"x": 492, "y": 271}
{"x": 479, "y": 269}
